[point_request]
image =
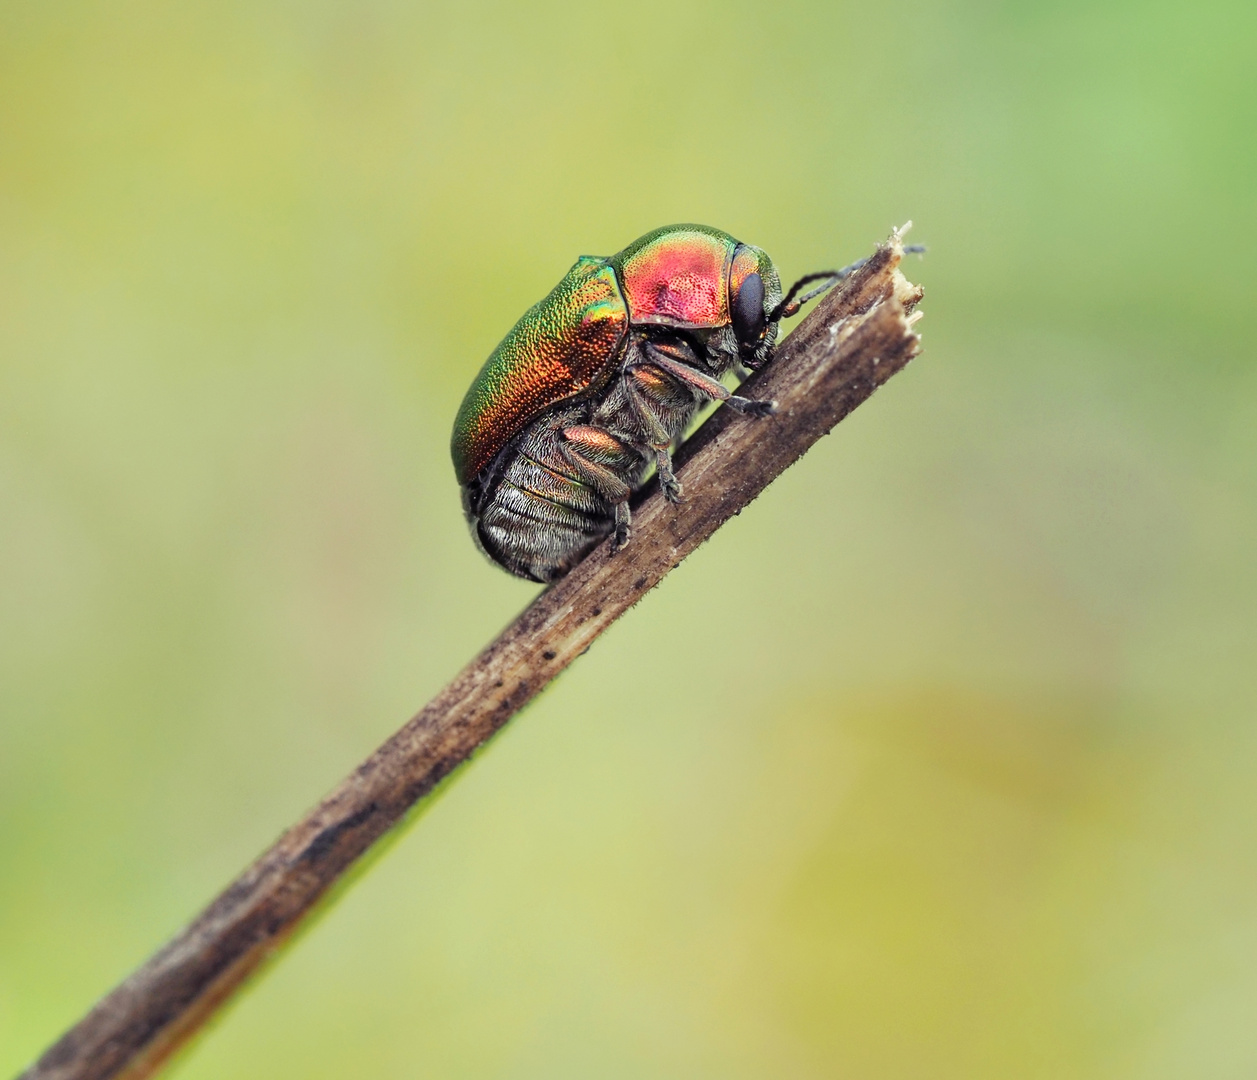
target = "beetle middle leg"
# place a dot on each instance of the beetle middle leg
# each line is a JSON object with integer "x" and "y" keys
{"x": 650, "y": 394}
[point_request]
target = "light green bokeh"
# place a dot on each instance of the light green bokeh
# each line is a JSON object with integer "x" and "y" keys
{"x": 937, "y": 762}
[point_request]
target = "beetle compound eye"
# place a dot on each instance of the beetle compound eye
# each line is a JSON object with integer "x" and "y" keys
{"x": 748, "y": 310}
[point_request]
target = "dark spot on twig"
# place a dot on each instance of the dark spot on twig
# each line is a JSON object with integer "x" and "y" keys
{"x": 549, "y": 654}
{"x": 326, "y": 839}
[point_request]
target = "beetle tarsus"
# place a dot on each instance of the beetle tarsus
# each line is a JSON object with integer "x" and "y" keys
{"x": 668, "y": 482}
{"x": 749, "y": 407}
{"x": 623, "y": 526}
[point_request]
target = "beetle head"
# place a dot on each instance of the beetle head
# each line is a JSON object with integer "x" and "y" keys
{"x": 754, "y": 293}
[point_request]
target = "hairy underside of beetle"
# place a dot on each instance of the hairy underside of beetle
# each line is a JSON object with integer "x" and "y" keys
{"x": 563, "y": 484}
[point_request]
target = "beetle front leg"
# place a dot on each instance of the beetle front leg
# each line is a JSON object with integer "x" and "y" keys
{"x": 668, "y": 361}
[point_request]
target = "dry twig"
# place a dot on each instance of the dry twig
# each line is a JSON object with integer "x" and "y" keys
{"x": 857, "y": 337}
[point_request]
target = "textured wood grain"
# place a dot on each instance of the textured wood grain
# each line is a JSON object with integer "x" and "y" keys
{"x": 856, "y": 338}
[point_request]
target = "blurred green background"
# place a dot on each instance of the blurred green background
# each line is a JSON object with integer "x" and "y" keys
{"x": 937, "y": 762}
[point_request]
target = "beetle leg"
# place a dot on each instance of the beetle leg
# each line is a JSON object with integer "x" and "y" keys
{"x": 623, "y": 523}
{"x": 668, "y": 482}
{"x": 600, "y": 445}
{"x": 595, "y": 453}
{"x": 600, "y": 478}
{"x": 638, "y": 393}
{"x": 705, "y": 385}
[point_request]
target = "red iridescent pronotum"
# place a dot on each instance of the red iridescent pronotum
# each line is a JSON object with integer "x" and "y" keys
{"x": 599, "y": 380}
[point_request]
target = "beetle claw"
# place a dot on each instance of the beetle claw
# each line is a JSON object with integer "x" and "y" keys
{"x": 753, "y": 408}
{"x": 620, "y": 534}
{"x": 672, "y": 490}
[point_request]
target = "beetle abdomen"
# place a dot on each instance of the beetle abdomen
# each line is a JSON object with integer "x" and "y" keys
{"x": 538, "y": 518}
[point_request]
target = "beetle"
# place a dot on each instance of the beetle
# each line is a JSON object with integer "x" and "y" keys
{"x": 599, "y": 380}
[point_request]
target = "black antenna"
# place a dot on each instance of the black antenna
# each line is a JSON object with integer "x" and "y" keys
{"x": 790, "y": 306}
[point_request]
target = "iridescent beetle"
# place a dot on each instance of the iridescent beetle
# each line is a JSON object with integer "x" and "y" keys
{"x": 598, "y": 381}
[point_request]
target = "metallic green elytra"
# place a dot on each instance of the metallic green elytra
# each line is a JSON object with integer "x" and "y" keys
{"x": 596, "y": 383}
{"x": 559, "y": 349}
